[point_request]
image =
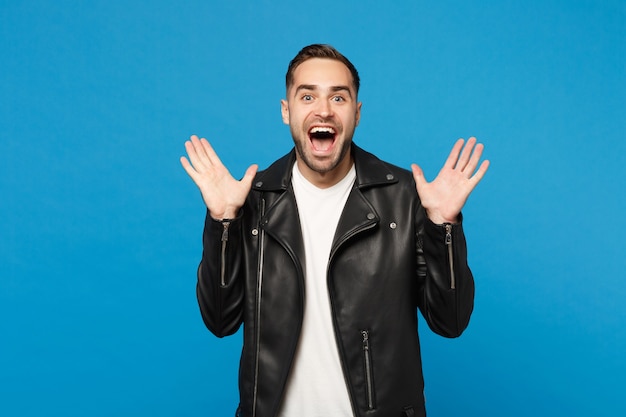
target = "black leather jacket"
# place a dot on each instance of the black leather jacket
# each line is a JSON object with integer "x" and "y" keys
{"x": 387, "y": 260}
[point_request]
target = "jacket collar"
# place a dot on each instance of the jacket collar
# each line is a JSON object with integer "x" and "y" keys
{"x": 370, "y": 172}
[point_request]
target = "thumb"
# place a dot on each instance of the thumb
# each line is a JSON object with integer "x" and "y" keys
{"x": 418, "y": 175}
{"x": 249, "y": 175}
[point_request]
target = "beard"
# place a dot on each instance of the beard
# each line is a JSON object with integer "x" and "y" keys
{"x": 317, "y": 164}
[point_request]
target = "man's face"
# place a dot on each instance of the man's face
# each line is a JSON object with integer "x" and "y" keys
{"x": 322, "y": 112}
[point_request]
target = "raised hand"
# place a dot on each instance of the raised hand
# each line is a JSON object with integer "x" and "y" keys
{"x": 445, "y": 196}
{"x": 222, "y": 194}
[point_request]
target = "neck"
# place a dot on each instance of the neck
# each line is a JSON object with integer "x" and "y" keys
{"x": 328, "y": 178}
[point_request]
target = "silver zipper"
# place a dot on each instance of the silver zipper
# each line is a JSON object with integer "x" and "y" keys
{"x": 448, "y": 227}
{"x": 258, "y": 308}
{"x": 225, "y": 225}
{"x": 367, "y": 357}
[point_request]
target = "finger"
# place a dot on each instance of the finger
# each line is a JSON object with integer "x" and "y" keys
{"x": 195, "y": 141}
{"x": 466, "y": 154}
{"x": 474, "y": 160}
{"x": 451, "y": 162}
{"x": 188, "y": 168}
{"x": 186, "y": 165}
{"x": 481, "y": 172}
{"x": 196, "y": 154}
{"x": 203, "y": 148}
{"x": 210, "y": 153}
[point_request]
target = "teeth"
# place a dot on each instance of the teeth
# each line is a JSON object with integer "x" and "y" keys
{"x": 321, "y": 129}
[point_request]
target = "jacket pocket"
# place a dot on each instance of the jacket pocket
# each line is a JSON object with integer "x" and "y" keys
{"x": 370, "y": 394}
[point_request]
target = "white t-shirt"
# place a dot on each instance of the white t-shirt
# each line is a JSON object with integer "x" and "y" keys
{"x": 316, "y": 385}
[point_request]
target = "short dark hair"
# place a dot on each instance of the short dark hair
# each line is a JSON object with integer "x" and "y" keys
{"x": 320, "y": 51}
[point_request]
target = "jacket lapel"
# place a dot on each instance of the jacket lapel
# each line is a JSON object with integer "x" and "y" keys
{"x": 358, "y": 215}
{"x": 281, "y": 220}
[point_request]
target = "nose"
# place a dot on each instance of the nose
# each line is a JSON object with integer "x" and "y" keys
{"x": 325, "y": 109}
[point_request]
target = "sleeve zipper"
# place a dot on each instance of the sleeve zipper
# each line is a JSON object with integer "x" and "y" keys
{"x": 448, "y": 227}
{"x": 225, "y": 225}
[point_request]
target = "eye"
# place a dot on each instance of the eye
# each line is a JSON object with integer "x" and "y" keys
{"x": 338, "y": 99}
{"x": 307, "y": 97}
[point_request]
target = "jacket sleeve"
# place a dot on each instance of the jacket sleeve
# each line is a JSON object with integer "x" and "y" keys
{"x": 447, "y": 292}
{"x": 220, "y": 288}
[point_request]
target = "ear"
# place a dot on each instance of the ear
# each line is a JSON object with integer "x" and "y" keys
{"x": 358, "y": 112}
{"x": 284, "y": 110}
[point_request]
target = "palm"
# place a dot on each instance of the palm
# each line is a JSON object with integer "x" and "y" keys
{"x": 445, "y": 196}
{"x": 222, "y": 194}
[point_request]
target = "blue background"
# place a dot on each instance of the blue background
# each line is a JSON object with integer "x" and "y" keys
{"x": 100, "y": 227}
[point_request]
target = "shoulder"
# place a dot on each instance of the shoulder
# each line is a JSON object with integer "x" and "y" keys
{"x": 277, "y": 176}
{"x": 372, "y": 170}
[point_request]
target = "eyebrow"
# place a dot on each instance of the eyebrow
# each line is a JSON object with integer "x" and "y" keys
{"x": 314, "y": 87}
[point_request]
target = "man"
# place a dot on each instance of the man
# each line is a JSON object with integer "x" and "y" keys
{"x": 326, "y": 256}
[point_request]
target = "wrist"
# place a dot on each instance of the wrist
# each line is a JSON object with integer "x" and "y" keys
{"x": 226, "y": 215}
{"x": 437, "y": 218}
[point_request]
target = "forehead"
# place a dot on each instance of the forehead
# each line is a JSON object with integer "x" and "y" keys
{"x": 322, "y": 72}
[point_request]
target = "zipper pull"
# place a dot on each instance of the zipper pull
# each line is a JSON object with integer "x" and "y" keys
{"x": 366, "y": 339}
{"x": 226, "y": 225}
{"x": 448, "y": 227}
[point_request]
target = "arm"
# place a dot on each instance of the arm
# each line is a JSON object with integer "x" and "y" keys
{"x": 448, "y": 291}
{"x": 219, "y": 293}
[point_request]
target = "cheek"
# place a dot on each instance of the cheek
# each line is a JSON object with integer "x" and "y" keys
{"x": 349, "y": 119}
{"x": 298, "y": 119}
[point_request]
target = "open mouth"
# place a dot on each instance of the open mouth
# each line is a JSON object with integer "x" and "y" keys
{"x": 322, "y": 137}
